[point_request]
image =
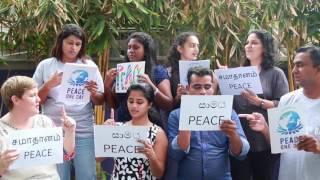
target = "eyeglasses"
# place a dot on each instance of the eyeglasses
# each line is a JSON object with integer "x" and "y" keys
{"x": 200, "y": 86}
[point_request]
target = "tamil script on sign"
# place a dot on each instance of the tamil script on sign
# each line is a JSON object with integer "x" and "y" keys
{"x": 40, "y": 146}
{"x": 75, "y": 77}
{"x": 204, "y": 113}
{"x": 184, "y": 66}
{"x": 233, "y": 81}
{"x": 286, "y": 124}
{"x": 127, "y": 74}
{"x": 119, "y": 141}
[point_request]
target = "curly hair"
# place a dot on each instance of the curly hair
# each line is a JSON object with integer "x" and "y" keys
{"x": 150, "y": 56}
{"x": 271, "y": 50}
{"x": 174, "y": 56}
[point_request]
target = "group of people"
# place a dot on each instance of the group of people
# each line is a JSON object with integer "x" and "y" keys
{"x": 240, "y": 150}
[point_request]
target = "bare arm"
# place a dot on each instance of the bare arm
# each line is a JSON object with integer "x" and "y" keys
{"x": 163, "y": 96}
{"x": 157, "y": 154}
{"x": 109, "y": 94}
{"x": 257, "y": 101}
{"x": 181, "y": 90}
{"x": 54, "y": 81}
{"x": 157, "y": 165}
{"x": 96, "y": 96}
{"x": 69, "y": 128}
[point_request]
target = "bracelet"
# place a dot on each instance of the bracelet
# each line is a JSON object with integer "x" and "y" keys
{"x": 261, "y": 103}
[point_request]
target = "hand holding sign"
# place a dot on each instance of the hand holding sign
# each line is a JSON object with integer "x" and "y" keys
{"x": 55, "y": 80}
{"x": 251, "y": 97}
{"x": 229, "y": 127}
{"x": 221, "y": 66}
{"x": 68, "y": 123}
{"x": 7, "y": 158}
{"x": 147, "y": 149}
{"x": 92, "y": 87}
{"x": 181, "y": 90}
{"x": 144, "y": 78}
{"x": 309, "y": 143}
{"x": 110, "y": 76}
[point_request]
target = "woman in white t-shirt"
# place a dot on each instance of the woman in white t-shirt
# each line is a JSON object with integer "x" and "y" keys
{"x": 70, "y": 47}
{"x": 20, "y": 95}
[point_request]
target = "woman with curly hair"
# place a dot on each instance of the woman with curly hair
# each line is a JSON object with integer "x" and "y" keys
{"x": 186, "y": 48}
{"x": 141, "y": 47}
{"x": 260, "y": 51}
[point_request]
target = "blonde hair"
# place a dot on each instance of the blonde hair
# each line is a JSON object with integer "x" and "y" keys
{"x": 15, "y": 86}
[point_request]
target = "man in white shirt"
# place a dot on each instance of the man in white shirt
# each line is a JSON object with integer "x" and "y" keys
{"x": 302, "y": 164}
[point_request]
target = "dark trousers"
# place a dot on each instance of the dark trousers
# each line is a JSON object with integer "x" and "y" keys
{"x": 257, "y": 166}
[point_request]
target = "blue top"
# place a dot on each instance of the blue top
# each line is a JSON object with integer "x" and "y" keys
{"x": 122, "y": 114}
{"x": 207, "y": 157}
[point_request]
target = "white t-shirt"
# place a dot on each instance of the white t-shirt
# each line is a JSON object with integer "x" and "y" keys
{"x": 82, "y": 113}
{"x": 302, "y": 165}
{"x": 44, "y": 172}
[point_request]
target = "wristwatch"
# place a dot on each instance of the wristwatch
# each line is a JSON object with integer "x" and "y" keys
{"x": 261, "y": 103}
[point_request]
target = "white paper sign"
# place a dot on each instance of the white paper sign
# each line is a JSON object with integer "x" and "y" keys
{"x": 75, "y": 76}
{"x": 40, "y": 146}
{"x": 286, "y": 124}
{"x": 204, "y": 113}
{"x": 184, "y": 66}
{"x": 127, "y": 75}
{"x": 119, "y": 141}
{"x": 234, "y": 80}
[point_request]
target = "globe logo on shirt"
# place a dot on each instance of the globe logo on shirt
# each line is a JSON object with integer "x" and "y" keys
{"x": 289, "y": 123}
{"x": 78, "y": 78}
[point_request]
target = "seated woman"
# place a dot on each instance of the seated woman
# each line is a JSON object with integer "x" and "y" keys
{"x": 20, "y": 95}
{"x": 140, "y": 99}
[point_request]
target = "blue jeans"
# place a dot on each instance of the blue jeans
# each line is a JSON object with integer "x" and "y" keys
{"x": 84, "y": 162}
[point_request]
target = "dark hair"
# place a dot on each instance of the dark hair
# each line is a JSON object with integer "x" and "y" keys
{"x": 148, "y": 93}
{"x": 150, "y": 56}
{"x": 173, "y": 59}
{"x": 68, "y": 30}
{"x": 271, "y": 50}
{"x": 313, "y": 51}
{"x": 199, "y": 71}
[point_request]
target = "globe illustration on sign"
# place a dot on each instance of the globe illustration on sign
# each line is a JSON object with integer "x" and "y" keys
{"x": 289, "y": 123}
{"x": 78, "y": 77}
